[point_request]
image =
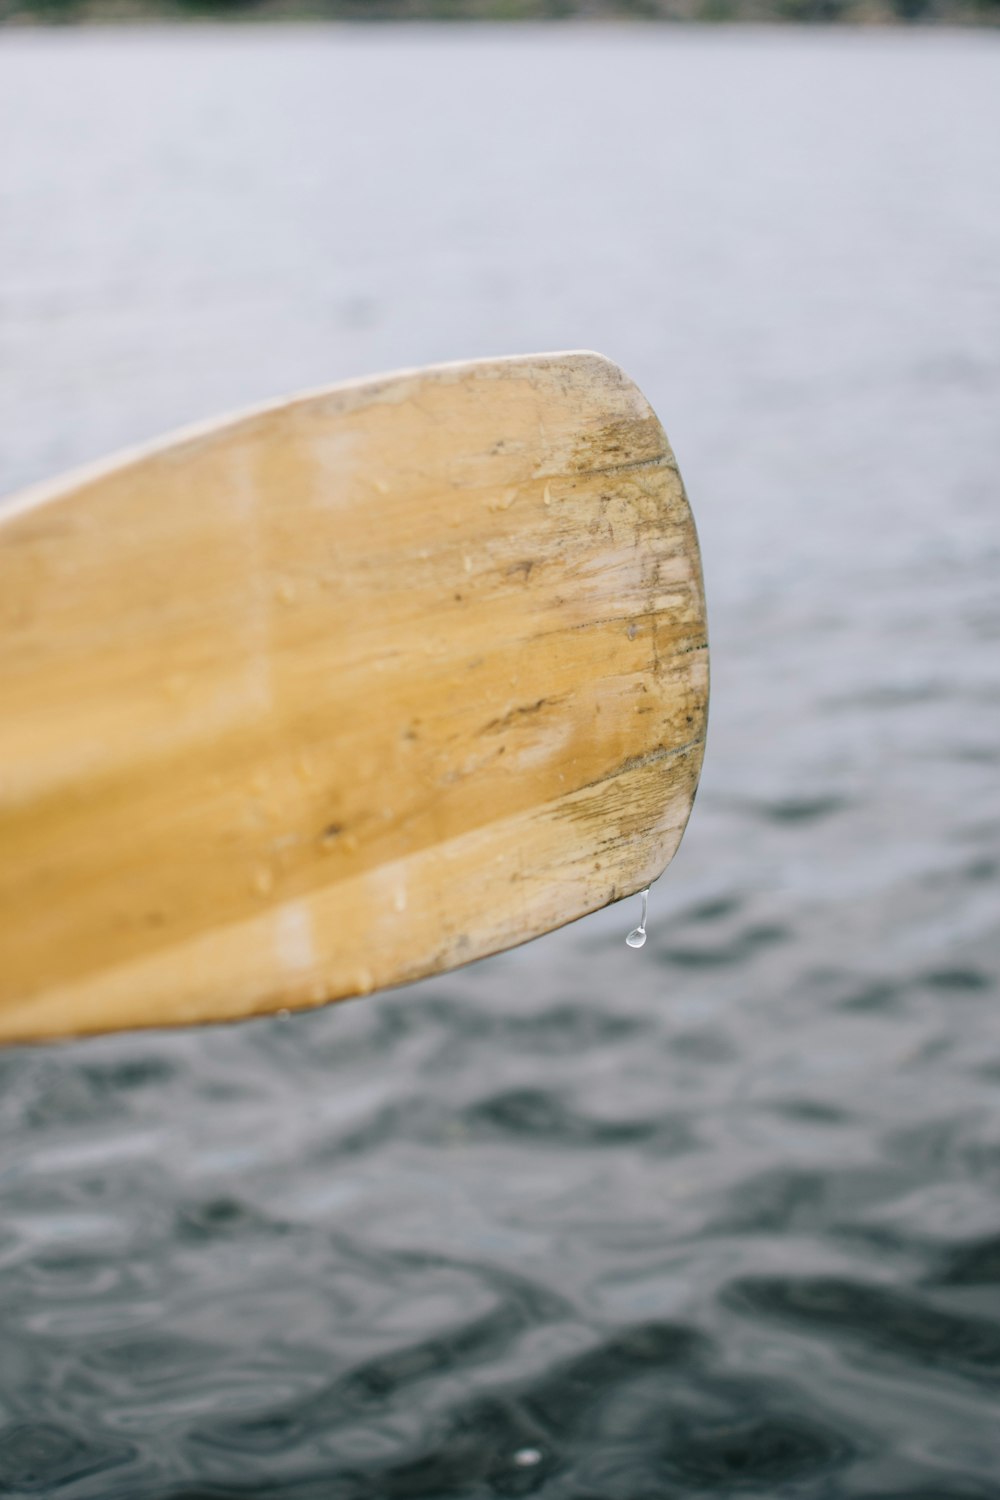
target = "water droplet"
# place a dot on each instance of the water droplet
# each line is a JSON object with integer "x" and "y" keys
{"x": 526, "y": 1458}
{"x": 283, "y": 1015}
{"x": 637, "y": 936}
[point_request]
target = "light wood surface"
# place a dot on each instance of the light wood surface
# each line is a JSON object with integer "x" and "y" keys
{"x": 341, "y": 692}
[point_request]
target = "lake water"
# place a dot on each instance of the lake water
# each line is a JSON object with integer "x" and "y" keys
{"x": 720, "y": 1217}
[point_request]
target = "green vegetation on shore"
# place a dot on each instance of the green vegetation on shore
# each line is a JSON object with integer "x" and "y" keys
{"x": 858, "y": 12}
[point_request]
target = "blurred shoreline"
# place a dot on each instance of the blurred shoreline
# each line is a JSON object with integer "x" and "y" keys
{"x": 856, "y": 13}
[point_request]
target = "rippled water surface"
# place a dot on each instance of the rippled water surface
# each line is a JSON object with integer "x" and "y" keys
{"x": 720, "y": 1217}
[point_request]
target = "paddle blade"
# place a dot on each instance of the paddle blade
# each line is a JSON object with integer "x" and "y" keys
{"x": 340, "y": 693}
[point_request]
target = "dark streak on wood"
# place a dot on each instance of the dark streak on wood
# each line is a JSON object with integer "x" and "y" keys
{"x": 629, "y": 468}
{"x": 639, "y": 762}
{"x": 495, "y": 725}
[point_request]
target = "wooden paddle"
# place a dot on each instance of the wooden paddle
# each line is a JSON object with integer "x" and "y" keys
{"x": 341, "y": 692}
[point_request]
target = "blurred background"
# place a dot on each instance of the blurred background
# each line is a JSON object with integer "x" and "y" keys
{"x": 720, "y": 1217}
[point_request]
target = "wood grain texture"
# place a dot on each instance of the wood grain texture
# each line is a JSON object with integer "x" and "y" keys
{"x": 342, "y": 692}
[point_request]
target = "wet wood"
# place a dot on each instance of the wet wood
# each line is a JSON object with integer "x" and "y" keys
{"x": 342, "y": 692}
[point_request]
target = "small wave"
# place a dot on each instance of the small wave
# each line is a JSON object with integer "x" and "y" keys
{"x": 880, "y": 1320}
{"x": 38, "y": 1457}
{"x": 541, "y": 1115}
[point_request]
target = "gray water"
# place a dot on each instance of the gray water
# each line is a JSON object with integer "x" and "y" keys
{"x": 720, "y": 1217}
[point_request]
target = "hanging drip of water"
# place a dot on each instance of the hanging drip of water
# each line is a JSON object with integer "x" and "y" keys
{"x": 637, "y": 936}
